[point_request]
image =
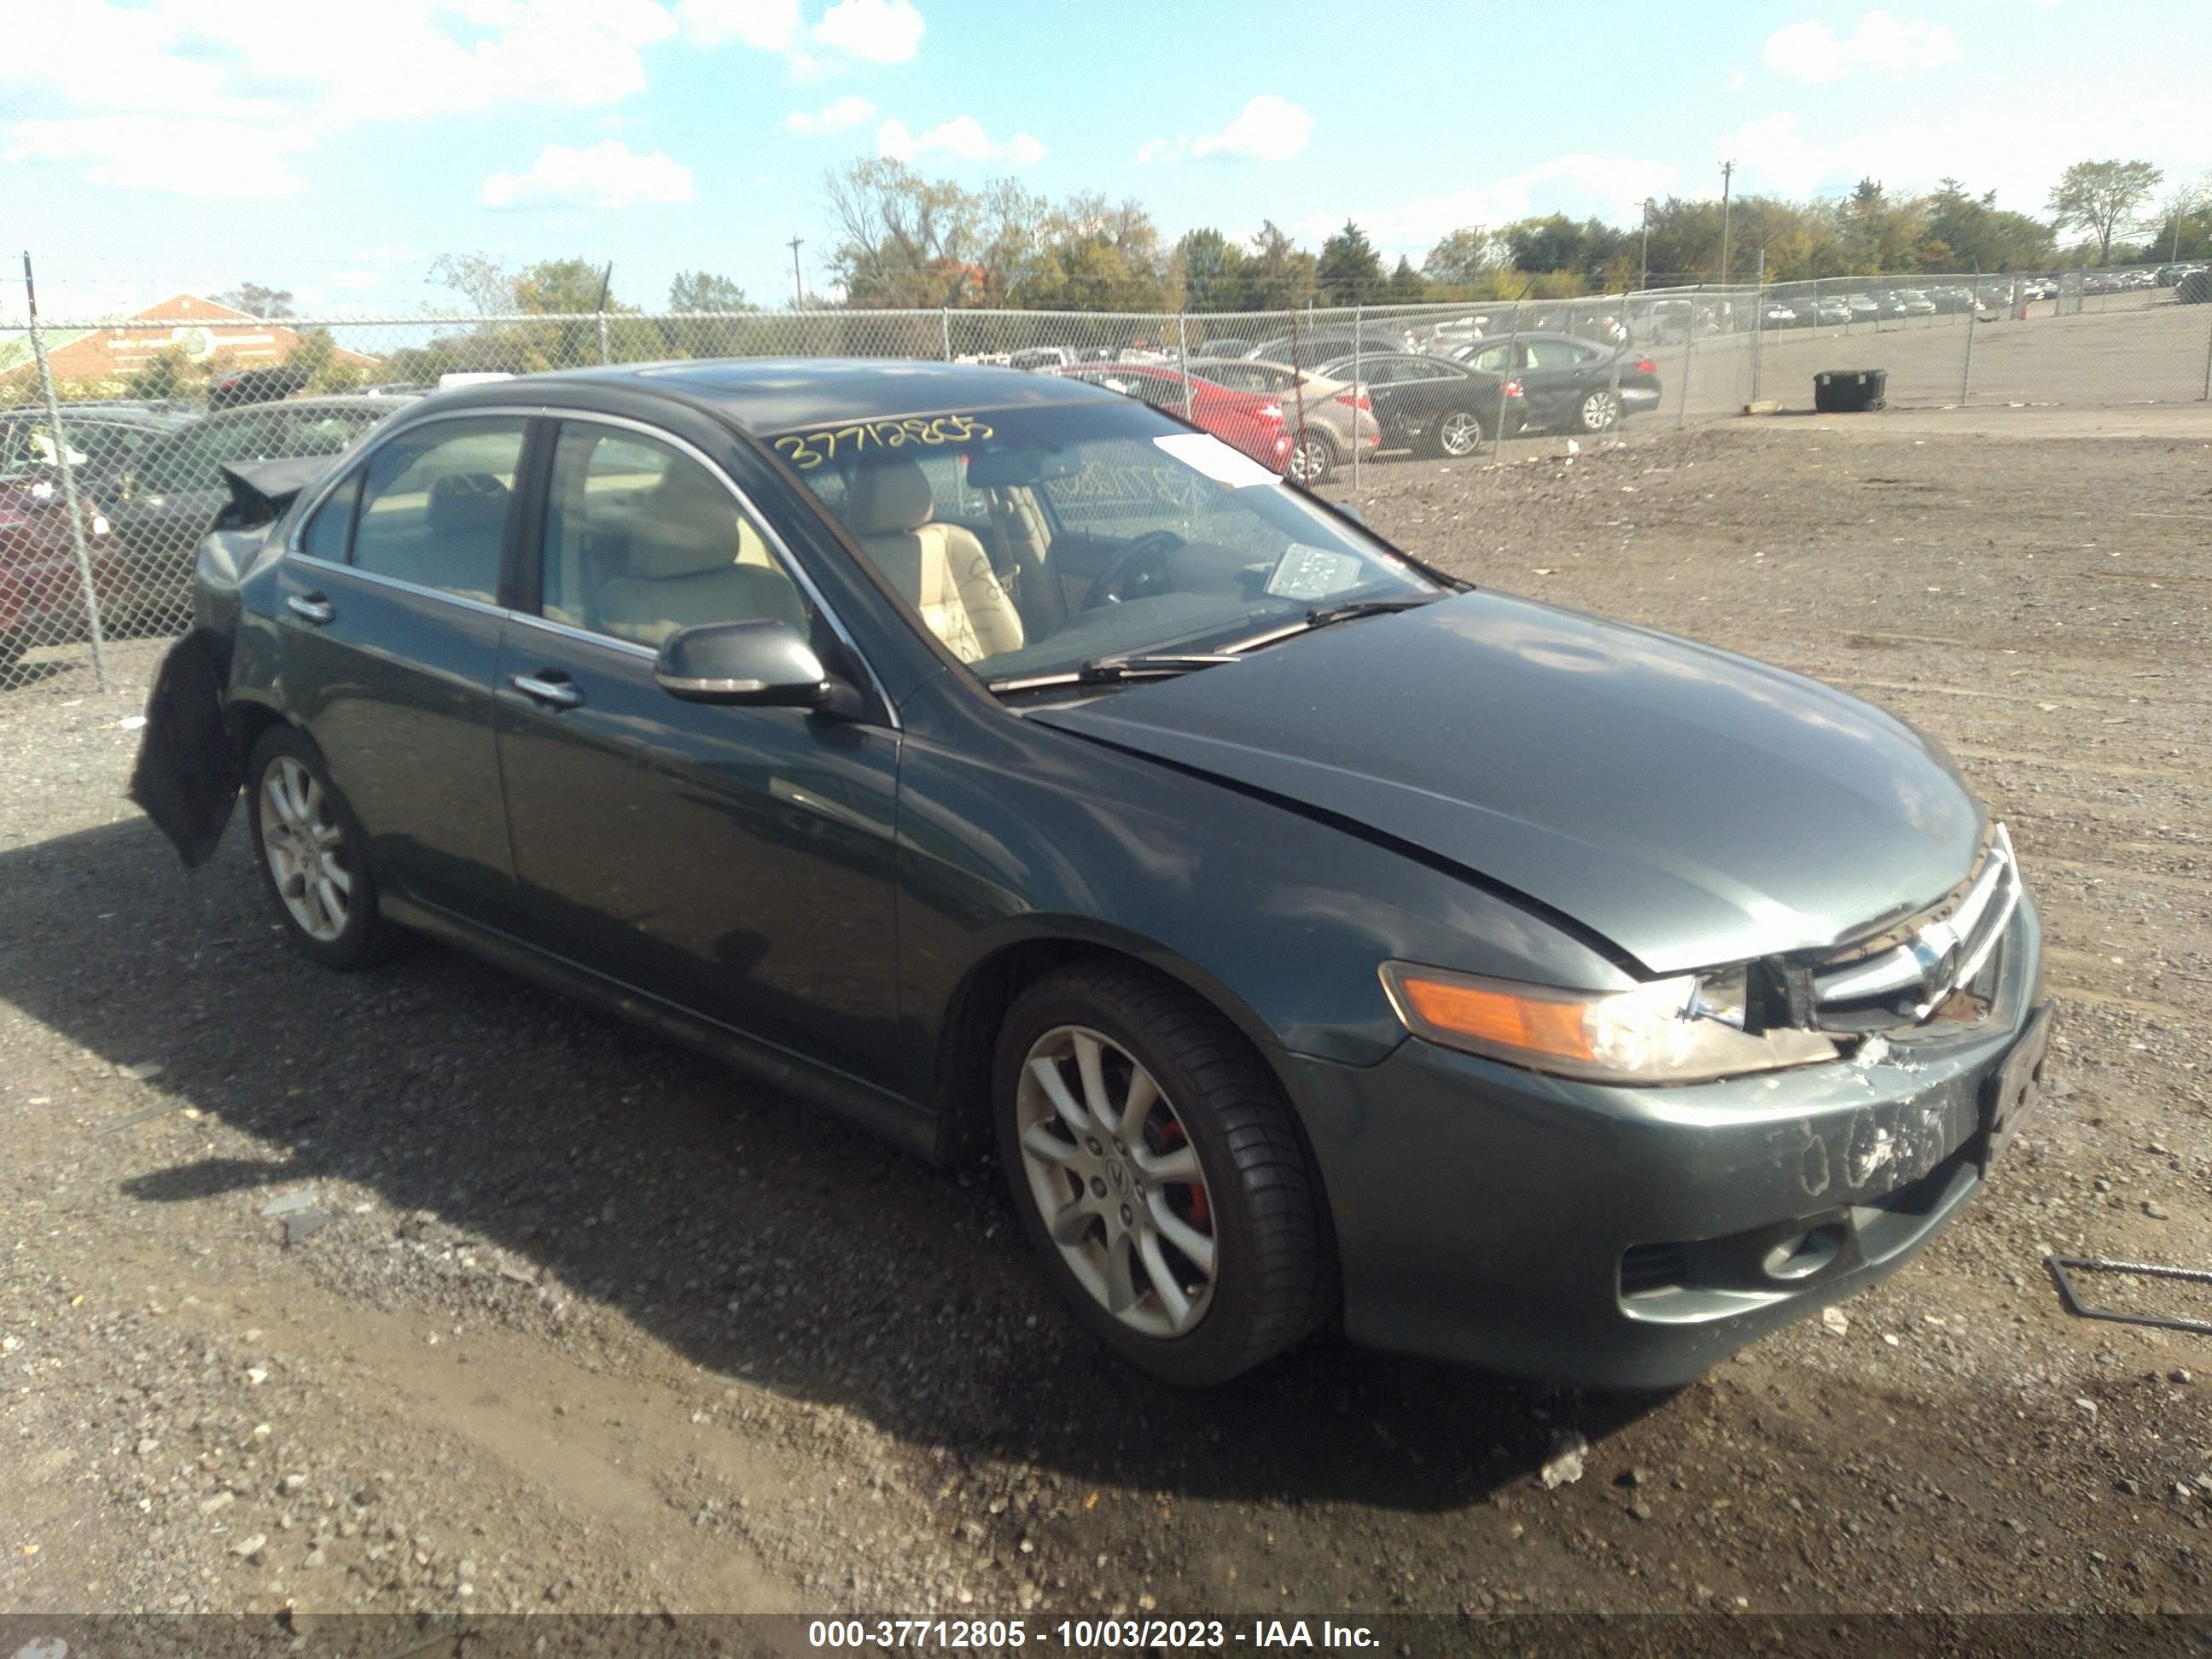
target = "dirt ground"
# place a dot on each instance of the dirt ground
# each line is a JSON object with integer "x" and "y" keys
{"x": 589, "y": 1325}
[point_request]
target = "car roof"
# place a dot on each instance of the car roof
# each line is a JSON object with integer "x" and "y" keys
{"x": 101, "y": 414}
{"x": 778, "y": 394}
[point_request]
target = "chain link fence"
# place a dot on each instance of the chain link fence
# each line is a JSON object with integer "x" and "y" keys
{"x": 113, "y": 431}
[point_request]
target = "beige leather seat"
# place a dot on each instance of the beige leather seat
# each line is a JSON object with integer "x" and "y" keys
{"x": 693, "y": 559}
{"x": 941, "y": 568}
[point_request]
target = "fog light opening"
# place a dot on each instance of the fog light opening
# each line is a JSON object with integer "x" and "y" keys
{"x": 1805, "y": 1255}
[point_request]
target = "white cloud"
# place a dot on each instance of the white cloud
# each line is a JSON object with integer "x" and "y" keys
{"x": 769, "y": 25}
{"x": 1610, "y": 187}
{"x": 841, "y": 116}
{"x": 1736, "y": 82}
{"x": 1988, "y": 147}
{"x": 607, "y": 175}
{"x": 1811, "y": 51}
{"x": 169, "y": 153}
{"x": 1269, "y": 128}
{"x": 962, "y": 136}
{"x": 247, "y": 86}
{"x": 881, "y": 31}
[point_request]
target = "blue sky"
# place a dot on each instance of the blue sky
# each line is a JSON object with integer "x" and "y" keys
{"x": 336, "y": 147}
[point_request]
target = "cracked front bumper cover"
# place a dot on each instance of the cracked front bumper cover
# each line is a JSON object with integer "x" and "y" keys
{"x": 1632, "y": 1237}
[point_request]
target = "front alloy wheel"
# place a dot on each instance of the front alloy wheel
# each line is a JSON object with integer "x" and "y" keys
{"x": 1159, "y": 1173}
{"x": 1115, "y": 1178}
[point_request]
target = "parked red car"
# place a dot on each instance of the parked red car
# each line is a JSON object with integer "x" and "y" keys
{"x": 1249, "y": 420}
{"x": 41, "y": 587}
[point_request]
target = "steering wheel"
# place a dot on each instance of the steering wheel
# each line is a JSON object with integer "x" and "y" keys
{"x": 1138, "y": 570}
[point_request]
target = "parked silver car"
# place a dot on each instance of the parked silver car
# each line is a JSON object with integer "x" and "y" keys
{"x": 1337, "y": 415}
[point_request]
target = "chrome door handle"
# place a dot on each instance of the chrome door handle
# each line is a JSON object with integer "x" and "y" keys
{"x": 314, "y": 606}
{"x": 557, "y": 694}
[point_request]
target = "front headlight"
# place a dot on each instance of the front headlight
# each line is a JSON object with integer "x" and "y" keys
{"x": 1685, "y": 1030}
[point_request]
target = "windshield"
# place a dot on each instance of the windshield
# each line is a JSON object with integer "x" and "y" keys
{"x": 1035, "y": 540}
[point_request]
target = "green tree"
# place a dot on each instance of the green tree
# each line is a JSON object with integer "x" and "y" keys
{"x": 168, "y": 373}
{"x": 1974, "y": 233}
{"x": 1461, "y": 256}
{"x": 318, "y": 353}
{"x": 1279, "y": 275}
{"x": 554, "y": 287}
{"x": 702, "y": 290}
{"x": 1406, "y": 286}
{"x": 1349, "y": 270}
{"x": 1210, "y": 270}
{"x": 256, "y": 301}
{"x": 2101, "y": 198}
{"x": 485, "y": 282}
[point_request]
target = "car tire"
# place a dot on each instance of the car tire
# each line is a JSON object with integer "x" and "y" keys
{"x": 1193, "y": 1280}
{"x": 313, "y": 857}
{"x": 1458, "y": 433}
{"x": 1313, "y": 459}
{"x": 1598, "y": 411}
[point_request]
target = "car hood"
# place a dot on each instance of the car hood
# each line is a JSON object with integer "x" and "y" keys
{"x": 1691, "y": 807}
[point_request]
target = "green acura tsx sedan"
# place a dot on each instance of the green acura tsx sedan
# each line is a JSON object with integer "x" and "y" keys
{"x": 1315, "y": 939}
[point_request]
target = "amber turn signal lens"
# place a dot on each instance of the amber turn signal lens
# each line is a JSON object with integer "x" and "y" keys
{"x": 1530, "y": 1025}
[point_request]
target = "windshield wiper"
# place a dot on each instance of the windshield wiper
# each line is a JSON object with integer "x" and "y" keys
{"x": 1322, "y": 614}
{"x": 1118, "y": 670}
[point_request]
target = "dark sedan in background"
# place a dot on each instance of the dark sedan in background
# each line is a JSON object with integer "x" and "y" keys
{"x": 1431, "y": 405}
{"x": 1001, "y": 763}
{"x": 1570, "y": 384}
{"x": 163, "y": 496}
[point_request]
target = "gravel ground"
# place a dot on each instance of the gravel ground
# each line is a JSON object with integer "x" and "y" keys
{"x": 573, "y": 1319}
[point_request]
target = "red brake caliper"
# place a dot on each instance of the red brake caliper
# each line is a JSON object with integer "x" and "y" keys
{"x": 1171, "y": 1136}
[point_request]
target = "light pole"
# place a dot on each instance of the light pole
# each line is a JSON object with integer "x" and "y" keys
{"x": 798, "y": 287}
{"x": 1644, "y": 263}
{"x": 1728, "y": 173}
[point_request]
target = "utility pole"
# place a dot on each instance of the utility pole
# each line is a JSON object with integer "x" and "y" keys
{"x": 1728, "y": 173}
{"x": 798, "y": 287}
{"x": 1644, "y": 279}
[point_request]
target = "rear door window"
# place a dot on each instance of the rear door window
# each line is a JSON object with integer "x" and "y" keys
{"x": 436, "y": 503}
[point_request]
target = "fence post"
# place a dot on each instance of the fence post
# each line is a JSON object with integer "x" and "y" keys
{"x": 69, "y": 480}
{"x": 2208, "y": 352}
{"x": 1758, "y": 325}
{"x": 943, "y": 334}
{"x": 1689, "y": 357}
{"x": 1183, "y": 360}
{"x": 603, "y": 358}
{"x": 1505, "y": 374}
{"x": 1357, "y": 340}
{"x": 1966, "y": 368}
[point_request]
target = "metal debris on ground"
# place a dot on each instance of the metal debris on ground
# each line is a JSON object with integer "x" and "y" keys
{"x": 2063, "y": 1267}
{"x": 1565, "y": 1463}
{"x": 1835, "y": 1321}
{"x": 301, "y": 1224}
{"x": 301, "y": 1198}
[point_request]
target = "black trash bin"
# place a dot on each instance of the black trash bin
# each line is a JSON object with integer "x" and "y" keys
{"x": 1849, "y": 391}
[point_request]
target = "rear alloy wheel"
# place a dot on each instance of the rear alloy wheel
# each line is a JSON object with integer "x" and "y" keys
{"x": 1599, "y": 411}
{"x": 311, "y": 854}
{"x": 1313, "y": 460}
{"x": 1159, "y": 1175}
{"x": 1460, "y": 435}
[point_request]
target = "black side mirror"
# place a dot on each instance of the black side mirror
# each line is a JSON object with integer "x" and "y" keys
{"x": 761, "y": 662}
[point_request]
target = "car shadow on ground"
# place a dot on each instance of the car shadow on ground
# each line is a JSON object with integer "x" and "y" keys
{"x": 754, "y": 1236}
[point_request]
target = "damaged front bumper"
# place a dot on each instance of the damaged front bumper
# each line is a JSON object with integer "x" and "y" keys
{"x": 1632, "y": 1237}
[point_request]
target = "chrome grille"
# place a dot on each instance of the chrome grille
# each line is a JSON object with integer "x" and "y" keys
{"x": 1936, "y": 954}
